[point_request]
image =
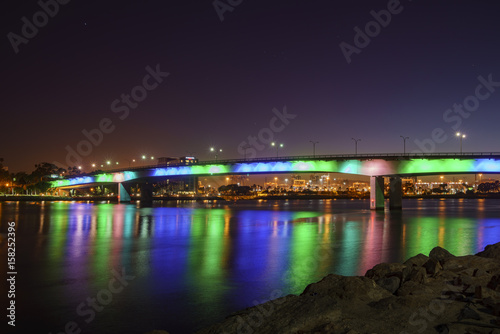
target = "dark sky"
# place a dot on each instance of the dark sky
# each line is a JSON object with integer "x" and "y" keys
{"x": 226, "y": 77}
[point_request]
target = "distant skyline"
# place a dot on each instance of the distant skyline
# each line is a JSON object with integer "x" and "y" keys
{"x": 114, "y": 80}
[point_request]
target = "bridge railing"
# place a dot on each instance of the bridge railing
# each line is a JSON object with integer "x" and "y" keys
{"x": 362, "y": 156}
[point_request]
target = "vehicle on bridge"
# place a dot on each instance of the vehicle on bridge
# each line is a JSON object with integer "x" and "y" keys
{"x": 176, "y": 161}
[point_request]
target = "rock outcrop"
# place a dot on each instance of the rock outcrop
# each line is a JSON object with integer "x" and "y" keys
{"x": 439, "y": 293}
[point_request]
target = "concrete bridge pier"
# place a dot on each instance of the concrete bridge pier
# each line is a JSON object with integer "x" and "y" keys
{"x": 123, "y": 193}
{"x": 377, "y": 192}
{"x": 146, "y": 192}
{"x": 395, "y": 193}
{"x": 192, "y": 184}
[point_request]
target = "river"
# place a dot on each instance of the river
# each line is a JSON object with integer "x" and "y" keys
{"x": 121, "y": 268}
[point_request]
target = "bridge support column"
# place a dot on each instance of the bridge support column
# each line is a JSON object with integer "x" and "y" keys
{"x": 146, "y": 192}
{"x": 395, "y": 193}
{"x": 123, "y": 193}
{"x": 192, "y": 184}
{"x": 377, "y": 192}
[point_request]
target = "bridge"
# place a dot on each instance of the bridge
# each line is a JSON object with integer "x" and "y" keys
{"x": 376, "y": 166}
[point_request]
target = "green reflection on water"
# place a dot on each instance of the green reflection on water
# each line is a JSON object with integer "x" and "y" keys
{"x": 457, "y": 235}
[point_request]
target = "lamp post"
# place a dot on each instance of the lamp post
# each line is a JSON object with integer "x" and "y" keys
{"x": 404, "y": 144}
{"x": 217, "y": 151}
{"x": 461, "y": 136}
{"x": 314, "y": 147}
{"x": 245, "y": 148}
{"x": 356, "y": 145}
{"x": 278, "y": 146}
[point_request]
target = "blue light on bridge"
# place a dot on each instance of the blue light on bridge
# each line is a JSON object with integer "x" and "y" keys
{"x": 81, "y": 180}
{"x": 172, "y": 171}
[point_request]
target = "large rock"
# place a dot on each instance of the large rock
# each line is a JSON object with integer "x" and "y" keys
{"x": 432, "y": 266}
{"x": 418, "y": 275}
{"x": 440, "y": 254}
{"x": 391, "y": 284}
{"x": 468, "y": 264}
{"x": 417, "y": 260}
{"x": 491, "y": 251}
{"x": 384, "y": 270}
{"x": 344, "y": 287}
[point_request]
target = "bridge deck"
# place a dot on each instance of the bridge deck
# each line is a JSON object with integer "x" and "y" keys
{"x": 367, "y": 156}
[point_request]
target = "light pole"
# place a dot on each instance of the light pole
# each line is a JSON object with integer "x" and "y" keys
{"x": 356, "y": 145}
{"x": 314, "y": 147}
{"x": 217, "y": 151}
{"x": 461, "y": 136}
{"x": 278, "y": 146}
{"x": 404, "y": 144}
{"x": 245, "y": 151}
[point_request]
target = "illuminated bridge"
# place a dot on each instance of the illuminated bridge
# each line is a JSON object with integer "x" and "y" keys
{"x": 377, "y": 166}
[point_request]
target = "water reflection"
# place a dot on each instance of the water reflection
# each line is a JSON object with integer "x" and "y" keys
{"x": 204, "y": 261}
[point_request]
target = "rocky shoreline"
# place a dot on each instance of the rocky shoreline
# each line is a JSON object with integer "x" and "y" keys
{"x": 439, "y": 293}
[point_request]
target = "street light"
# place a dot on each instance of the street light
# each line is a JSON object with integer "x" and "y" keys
{"x": 314, "y": 146}
{"x": 217, "y": 151}
{"x": 356, "y": 145}
{"x": 245, "y": 148}
{"x": 278, "y": 146}
{"x": 144, "y": 157}
{"x": 461, "y": 136}
{"x": 404, "y": 144}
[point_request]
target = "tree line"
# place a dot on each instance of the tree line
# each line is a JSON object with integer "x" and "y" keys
{"x": 36, "y": 182}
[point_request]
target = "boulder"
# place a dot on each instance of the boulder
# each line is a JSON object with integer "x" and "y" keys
{"x": 491, "y": 251}
{"x": 467, "y": 265}
{"x": 432, "y": 266}
{"x": 417, "y": 260}
{"x": 384, "y": 270}
{"x": 345, "y": 287}
{"x": 440, "y": 254}
{"x": 418, "y": 275}
{"x": 391, "y": 284}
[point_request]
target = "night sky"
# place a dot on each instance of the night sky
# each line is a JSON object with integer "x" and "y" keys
{"x": 226, "y": 77}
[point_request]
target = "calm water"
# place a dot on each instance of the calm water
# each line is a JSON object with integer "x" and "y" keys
{"x": 194, "y": 263}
